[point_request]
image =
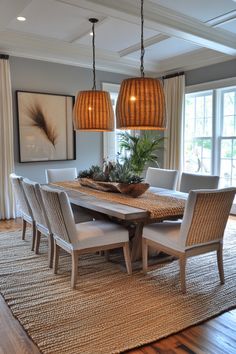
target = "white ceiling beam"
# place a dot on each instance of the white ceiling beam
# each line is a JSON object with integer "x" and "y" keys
{"x": 54, "y": 50}
{"x": 165, "y": 21}
{"x": 221, "y": 20}
{"x": 147, "y": 43}
{"x": 35, "y": 47}
{"x": 10, "y": 9}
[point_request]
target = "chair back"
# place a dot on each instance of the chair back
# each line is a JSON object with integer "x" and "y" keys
{"x": 161, "y": 178}
{"x": 19, "y": 195}
{"x": 205, "y": 216}
{"x": 59, "y": 212}
{"x": 60, "y": 174}
{"x": 32, "y": 191}
{"x": 191, "y": 181}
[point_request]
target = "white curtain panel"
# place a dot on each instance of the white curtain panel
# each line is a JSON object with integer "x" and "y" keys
{"x": 174, "y": 89}
{"x": 6, "y": 142}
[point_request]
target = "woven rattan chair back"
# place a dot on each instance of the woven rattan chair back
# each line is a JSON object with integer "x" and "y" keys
{"x": 59, "y": 213}
{"x": 19, "y": 195}
{"x": 34, "y": 197}
{"x": 206, "y": 215}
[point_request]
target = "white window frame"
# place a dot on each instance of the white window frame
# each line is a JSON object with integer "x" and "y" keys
{"x": 216, "y": 112}
{"x": 109, "y": 138}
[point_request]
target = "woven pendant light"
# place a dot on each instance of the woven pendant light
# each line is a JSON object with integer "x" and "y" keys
{"x": 141, "y": 100}
{"x": 93, "y": 109}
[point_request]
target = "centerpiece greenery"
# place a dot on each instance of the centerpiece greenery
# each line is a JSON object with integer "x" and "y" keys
{"x": 112, "y": 172}
{"x": 114, "y": 177}
{"x": 142, "y": 149}
{"x": 124, "y": 175}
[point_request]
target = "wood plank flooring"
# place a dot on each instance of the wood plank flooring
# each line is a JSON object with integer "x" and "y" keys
{"x": 216, "y": 336}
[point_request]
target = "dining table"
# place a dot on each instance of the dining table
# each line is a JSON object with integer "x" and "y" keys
{"x": 155, "y": 205}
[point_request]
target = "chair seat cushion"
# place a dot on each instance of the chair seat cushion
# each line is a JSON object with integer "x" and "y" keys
{"x": 43, "y": 229}
{"x": 166, "y": 233}
{"x": 27, "y": 218}
{"x": 99, "y": 233}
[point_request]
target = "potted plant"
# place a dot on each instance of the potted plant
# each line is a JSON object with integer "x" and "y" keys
{"x": 141, "y": 149}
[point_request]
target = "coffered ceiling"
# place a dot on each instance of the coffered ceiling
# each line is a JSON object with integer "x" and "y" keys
{"x": 178, "y": 35}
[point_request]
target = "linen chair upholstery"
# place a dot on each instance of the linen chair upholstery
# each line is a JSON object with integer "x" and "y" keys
{"x": 60, "y": 174}
{"x": 32, "y": 192}
{"x": 190, "y": 181}
{"x": 68, "y": 174}
{"x": 23, "y": 206}
{"x": 161, "y": 178}
{"x": 201, "y": 231}
{"x": 85, "y": 237}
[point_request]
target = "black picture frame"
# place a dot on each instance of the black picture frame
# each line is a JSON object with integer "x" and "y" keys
{"x": 45, "y": 126}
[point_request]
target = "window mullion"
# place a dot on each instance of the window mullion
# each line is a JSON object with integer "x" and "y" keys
{"x": 217, "y": 129}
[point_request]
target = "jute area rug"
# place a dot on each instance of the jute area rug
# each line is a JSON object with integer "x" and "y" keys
{"x": 109, "y": 311}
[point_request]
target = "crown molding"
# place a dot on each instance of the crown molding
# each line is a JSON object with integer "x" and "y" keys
{"x": 193, "y": 60}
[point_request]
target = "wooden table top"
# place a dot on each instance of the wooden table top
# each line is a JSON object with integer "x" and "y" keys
{"x": 128, "y": 209}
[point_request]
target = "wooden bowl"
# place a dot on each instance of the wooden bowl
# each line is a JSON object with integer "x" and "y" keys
{"x": 133, "y": 189}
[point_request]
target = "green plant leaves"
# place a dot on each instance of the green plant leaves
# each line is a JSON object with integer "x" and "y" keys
{"x": 141, "y": 149}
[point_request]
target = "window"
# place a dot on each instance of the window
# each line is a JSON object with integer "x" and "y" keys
{"x": 210, "y": 134}
{"x": 111, "y": 139}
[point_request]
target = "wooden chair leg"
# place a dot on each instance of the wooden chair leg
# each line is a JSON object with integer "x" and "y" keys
{"x": 74, "y": 270}
{"x": 220, "y": 263}
{"x": 145, "y": 255}
{"x": 50, "y": 250}
{"x": 37, "y": 241}
{"x": 182, "y": 264}
{"x": 56, "y": 257}
{"x": 24, "y": 225}
{"x": 126, "y": 252}
{"x": 33, "y": 236}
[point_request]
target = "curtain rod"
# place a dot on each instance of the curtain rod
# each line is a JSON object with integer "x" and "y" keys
{"x": 4, "y": 56}
{"x": 172, "y": 75}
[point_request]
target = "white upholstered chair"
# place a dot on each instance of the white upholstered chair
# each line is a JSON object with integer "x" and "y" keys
{"x": 85, "y": 237}
{"x": 190, "y": 181}
{"x": 23, "y": 206}
{"x": 60, "y": 174}
{"x": 201, "y": 230}
{"x": 68, "y": 174}
{"x": 33, "y": 194}
{"x": 161, "y": 178}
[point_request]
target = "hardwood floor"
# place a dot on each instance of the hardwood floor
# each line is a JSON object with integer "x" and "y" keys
{"x": 216, "y": 336}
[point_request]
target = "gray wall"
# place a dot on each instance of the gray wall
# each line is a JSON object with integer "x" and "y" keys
{"x": 214, "y": 72}
{"x": 41, "y": 76}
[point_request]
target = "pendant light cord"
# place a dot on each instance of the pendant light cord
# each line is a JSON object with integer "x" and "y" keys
{"x": 142, "y": 47}
{"x": 94, "y": 72}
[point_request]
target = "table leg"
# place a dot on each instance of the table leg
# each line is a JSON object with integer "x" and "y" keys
{"x": 136, "y": 241}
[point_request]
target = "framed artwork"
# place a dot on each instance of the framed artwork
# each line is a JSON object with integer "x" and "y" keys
{"x": 45, "y": 126}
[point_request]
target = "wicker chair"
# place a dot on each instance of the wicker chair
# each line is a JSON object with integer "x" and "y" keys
{"x": 60, "y": 174}
{"x": 86, "y": 237}
{"x": 24, "y": 206}
{"x": 32, "y": 192}
{"x": 161, "y": 178}
{"x": 190, "y": 181}
{"x": 201, "y": 231}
